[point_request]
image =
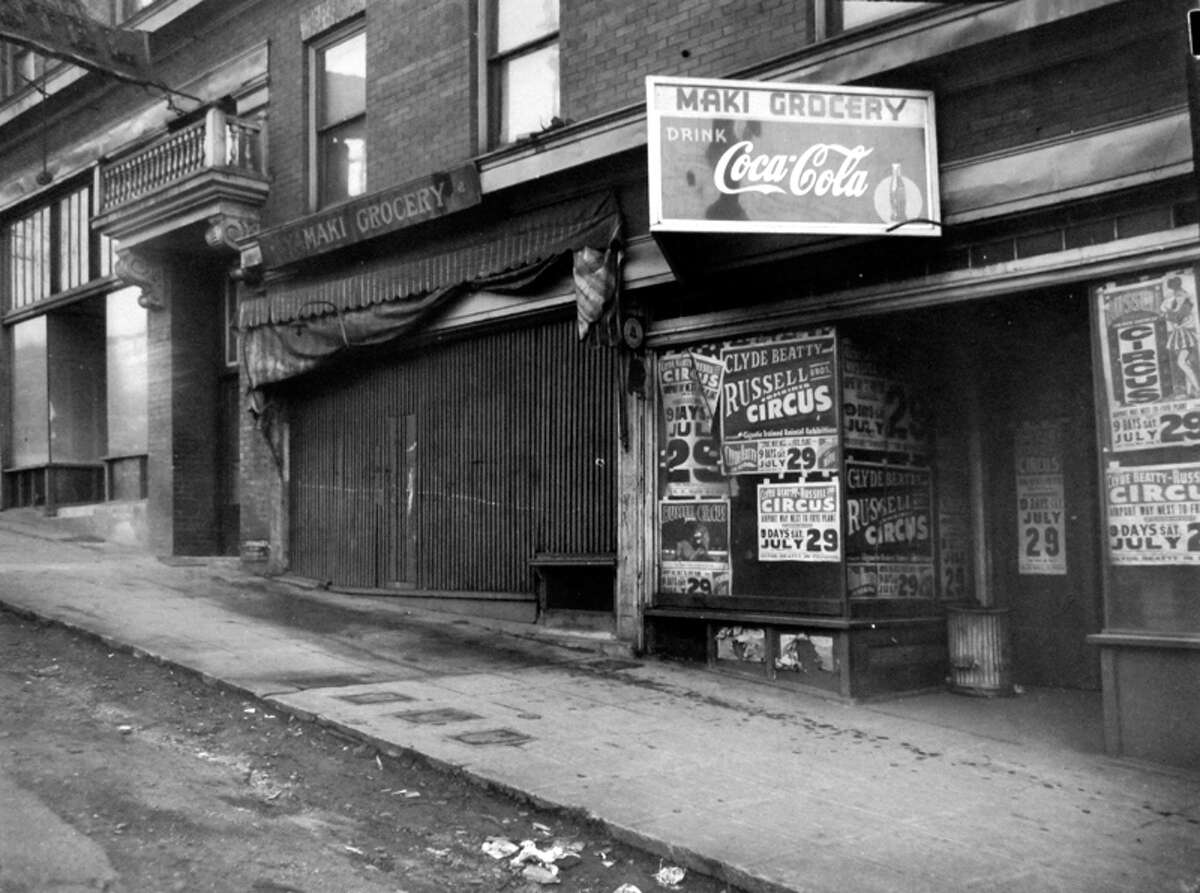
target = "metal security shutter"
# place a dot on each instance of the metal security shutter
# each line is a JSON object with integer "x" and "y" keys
{"x": 510, "y": 442}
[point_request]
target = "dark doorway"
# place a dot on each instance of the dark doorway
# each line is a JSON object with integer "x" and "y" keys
{"x": 1009, "y": 385}
{"x": 1040, "y": 422}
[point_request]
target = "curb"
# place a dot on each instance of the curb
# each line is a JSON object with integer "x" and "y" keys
{"x": 742, "y": 879}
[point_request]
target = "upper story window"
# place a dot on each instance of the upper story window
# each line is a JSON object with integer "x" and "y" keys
{"x": 19, "y": 67}
{"x": 523, "y": 95}
{"x": 50, "y": 250}
{"x": 339, "y": 103}
{"x": 845, "y": 15}
{"x": 113, "y": 12}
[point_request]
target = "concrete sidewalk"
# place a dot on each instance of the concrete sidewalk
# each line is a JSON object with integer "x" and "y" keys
{"x": 766, "y": 788}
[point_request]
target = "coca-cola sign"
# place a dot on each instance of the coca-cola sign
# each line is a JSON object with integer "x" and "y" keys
{"x": 753, "y": 156}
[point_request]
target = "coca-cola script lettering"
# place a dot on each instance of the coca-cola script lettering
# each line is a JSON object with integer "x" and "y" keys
{"x": 821, "y": 169}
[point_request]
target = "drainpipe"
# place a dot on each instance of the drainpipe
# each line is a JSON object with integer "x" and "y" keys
{"x": 981, "y": 564}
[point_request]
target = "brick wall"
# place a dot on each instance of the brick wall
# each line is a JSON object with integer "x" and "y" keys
{"x": 608, "y": 48}
{"x": 183, "y": 362}
{"x": 422, "y": 94}
{"x": 1113, "y": 65}
{"x": 420, "y": 91}
{"x": 420, "y": 101}
{"x": 261, "y": 488}
{"x": 196, "y": 316}
{"x": 286, "y": 117}
{"x": 1107, "y": 66}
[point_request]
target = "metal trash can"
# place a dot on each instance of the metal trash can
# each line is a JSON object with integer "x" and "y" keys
{"x": 980, "y": 649}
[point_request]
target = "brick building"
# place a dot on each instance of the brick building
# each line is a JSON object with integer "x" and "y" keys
{"x": 414, "y": 319}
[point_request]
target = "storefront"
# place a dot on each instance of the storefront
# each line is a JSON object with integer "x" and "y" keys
{"x": 442, "y": 424}
{"x": 857, "y": 478}
{"x": 859, "y": 441}
{"x": 437, "y": 475}
{"x": 797, "y": 501}
{"x": 77, "y": 366}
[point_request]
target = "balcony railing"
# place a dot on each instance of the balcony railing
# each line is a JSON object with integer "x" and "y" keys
{"x": 215, "y": 142}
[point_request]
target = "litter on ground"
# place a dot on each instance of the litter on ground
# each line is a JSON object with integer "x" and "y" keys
{"x": 669, "y": 876}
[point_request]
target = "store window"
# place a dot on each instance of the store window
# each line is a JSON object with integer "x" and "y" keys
{"x": 127, "y": 370}
{"x": 339, "y": 82}
{"x": 74, "y": 241}
{"x": 797, "y": 478}
{"x": 523, "y": 86}
{"x": 53, "y": 282}
{"x": 113, "y": 12}
{"x": 836, "y": 16}
{"x": 48, "y": 250}
{"x": 30, "y": 423}
{"x": 57, "y": 414}
{"x": 19, "y": 67}
{"x": 27, "y": 256}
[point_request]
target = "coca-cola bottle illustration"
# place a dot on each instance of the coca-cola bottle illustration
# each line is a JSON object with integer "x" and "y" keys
{"x": 896, "y": 194}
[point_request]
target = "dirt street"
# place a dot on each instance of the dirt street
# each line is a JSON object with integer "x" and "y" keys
{"x": 188, "y": 787}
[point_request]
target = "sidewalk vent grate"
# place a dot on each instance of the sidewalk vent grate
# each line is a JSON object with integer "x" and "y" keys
{"x": 376, "y": 697}
{"x": 437, "y": 717}
{"x": 610, "y": 665}
{"x": 493, "y": 736}
{"x": 305, "y": 681}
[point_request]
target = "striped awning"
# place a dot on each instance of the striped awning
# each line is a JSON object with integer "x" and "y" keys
{"x": 465, "y": 257}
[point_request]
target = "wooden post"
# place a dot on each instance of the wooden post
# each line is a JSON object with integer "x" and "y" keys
{"x": 635, "y": 513}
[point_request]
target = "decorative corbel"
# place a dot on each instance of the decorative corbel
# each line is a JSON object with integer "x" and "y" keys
{"x": 146, "y": 272}
{"x": 229, "y": 230}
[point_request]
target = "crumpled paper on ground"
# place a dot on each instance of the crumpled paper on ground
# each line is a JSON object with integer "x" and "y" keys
{"x": 537, "y": 863}
{"x": 541, "y": 874}
{"x": 499, "y": 847}
{"x": 669, "y": 876}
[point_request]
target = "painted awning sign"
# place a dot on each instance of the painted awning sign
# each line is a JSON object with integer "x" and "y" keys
{"x": 756, "y": 156}
{"x": 426, "y": 198}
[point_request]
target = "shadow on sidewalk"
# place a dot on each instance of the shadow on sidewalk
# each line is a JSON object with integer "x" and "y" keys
{"x": 1046, "y": 719}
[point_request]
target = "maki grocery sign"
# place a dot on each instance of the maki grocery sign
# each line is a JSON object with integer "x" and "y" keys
{"x": 754, "y": 156}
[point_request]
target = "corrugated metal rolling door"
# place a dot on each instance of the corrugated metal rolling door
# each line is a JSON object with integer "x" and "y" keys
{"x": 514, "y": 445}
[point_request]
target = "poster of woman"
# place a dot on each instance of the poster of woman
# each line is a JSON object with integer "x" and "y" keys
{"x": 1150, "y": 343}
{"x": 1183, "y": 337}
